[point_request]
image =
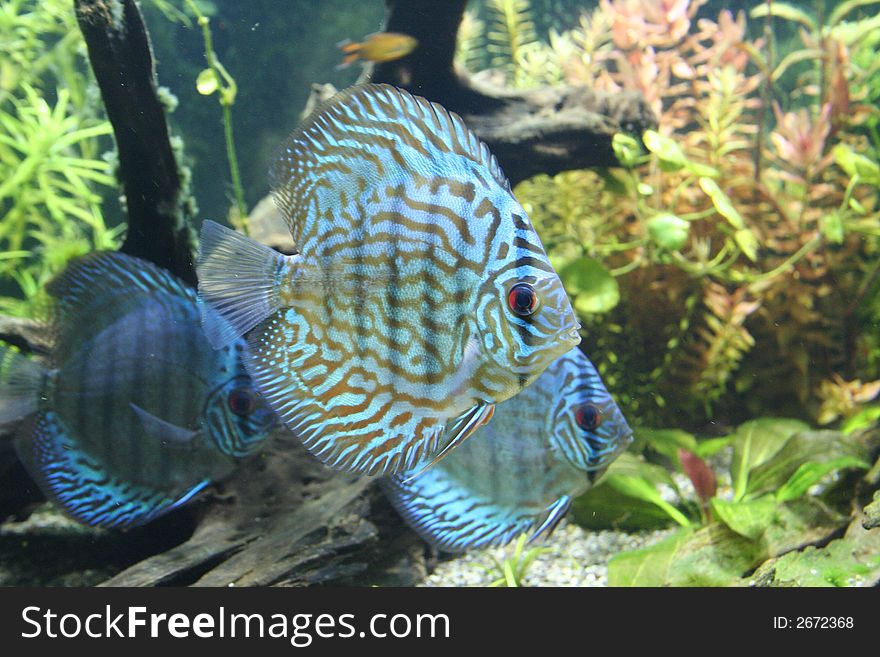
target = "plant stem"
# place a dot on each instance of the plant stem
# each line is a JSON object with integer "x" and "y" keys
{"x": 228, "y": 90}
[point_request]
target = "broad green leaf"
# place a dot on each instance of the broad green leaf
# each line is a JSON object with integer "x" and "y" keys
{"x": 856, "y": 164}
{"x": 207, "y": 82}
{"x": 803, "y": 448}
{"x": 595, "y": 290}
{"x": 667, "y": 441}
{"x": 865, "y": 418}
{"x": 668, "y": 231}
{"x": 710, "y": 446}
{"x": 644, "y": 490}
{"x": 722, "y": 203}
{"x": 810, "y": 474}
{"x": 711, "y": 556}
{"x": 754, "y": 442}
{"x": 798, "y": 523}
{"x": 786, "y": 11}
{"x": 603, "y": 507}
{"x": 747, "y": 518}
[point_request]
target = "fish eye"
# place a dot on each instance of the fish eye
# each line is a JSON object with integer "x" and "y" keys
{"x": 588, "y": 417}
{"x": 523, "y": 300}
{"x": 242, "y": 401}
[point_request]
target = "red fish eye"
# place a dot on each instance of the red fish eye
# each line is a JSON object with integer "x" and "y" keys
{"x": 522, "y": 299}
{"x": 242, "y": 401}
{"x": 588, "y": 417}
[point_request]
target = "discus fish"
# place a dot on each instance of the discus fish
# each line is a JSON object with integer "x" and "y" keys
{"x": 137, "y": 412}
{"x": 520, "y": 473}
{"x": 378, "y": 47}
{"x": 420, "y": 295}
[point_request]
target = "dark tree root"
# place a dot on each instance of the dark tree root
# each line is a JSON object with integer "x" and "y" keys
{"x": 544, "y": 130}
{"x": 157, "y": 203}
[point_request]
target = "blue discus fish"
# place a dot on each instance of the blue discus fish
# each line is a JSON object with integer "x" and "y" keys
{"x": 421, "y": 294}
{"x": 520, "y": 473}
{"x": 136, "y": 412}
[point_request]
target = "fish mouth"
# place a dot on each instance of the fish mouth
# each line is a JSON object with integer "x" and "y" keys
{"x": 570, "y": 335}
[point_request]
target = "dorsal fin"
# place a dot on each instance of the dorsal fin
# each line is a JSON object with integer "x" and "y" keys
{"x": 370, "y": 137}
{"x": 99, "y": 287}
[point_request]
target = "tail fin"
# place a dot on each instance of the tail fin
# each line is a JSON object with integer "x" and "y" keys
{"x": 21, "y": 381}
{"x": 238, "y": 278}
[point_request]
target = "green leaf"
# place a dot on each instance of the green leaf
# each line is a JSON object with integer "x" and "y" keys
{"x": 807, "y": 448}
{"x": 667, "y": 441}
{"x": 722, "y": 203}
{"x": 709, "y": 446}
{"x": 626, "y": 149}
{"x": 665, "y": 148}
{"x": 747, "y": 242}
{"x": 747, "y": 518}
{"x": 865, "y": 418}
{"x": 595, "y": 290}
{"x": 207, "y": 82}
{"x": 754, "y": 442}
{"x": 786, "y": 11}
{"x": 614, "y": 184}
{"x": 603, "y": 507}
{"x": 643, "y": 490}
{"x": 810, "y": 474}
{"x": 843, "y": 9}
{"x": 711, "y": 556}
{"x": 831, "y": 226}
{"x": 668, "y": 231}
{"x": 855, "y": 164}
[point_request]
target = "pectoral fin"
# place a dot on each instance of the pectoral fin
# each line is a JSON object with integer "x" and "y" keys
{"x": 167, "y": 433}
{"x": 457, "y": 432}
{"x": 555, "y": 513}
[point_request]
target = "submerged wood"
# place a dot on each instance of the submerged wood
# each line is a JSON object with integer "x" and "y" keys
{"x": 282, "y": 518}
{"x": 156, "y": 200}
{"x": 544, "y": 130}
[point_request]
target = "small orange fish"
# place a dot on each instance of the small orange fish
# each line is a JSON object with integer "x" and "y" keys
{"x": 378, "y": 47}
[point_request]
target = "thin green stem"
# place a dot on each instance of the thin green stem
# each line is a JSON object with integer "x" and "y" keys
{"x": 227, "y": 92}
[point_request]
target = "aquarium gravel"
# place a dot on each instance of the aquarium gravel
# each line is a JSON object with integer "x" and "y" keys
{"x": 574, "y": 557}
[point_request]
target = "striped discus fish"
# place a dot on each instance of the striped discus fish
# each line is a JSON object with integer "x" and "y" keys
{"x": 138, "y": 412}
{"x": 420, "y": 295}
{"x": 520, "y": 473}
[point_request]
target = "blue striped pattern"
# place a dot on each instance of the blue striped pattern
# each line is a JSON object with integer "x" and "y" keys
{"x": 136, "y": 414}
{"x": 393, "y": 318}
{"x": 519, "y": 473}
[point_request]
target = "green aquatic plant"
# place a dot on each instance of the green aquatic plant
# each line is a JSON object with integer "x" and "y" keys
{"x": 216, "y": 79}
{"x": 53, "y": 180}
{"x": 511, "y": 571}
{"x": 778, "y": 493}
{"x": 511, "y": 32}
{"x": 725, "y": 269}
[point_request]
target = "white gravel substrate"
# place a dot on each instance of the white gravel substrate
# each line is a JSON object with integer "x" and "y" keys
{"x": 576, "y": 557}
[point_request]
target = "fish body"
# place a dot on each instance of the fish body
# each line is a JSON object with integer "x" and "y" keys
{"x": 518, "y": 474}
{"x": 378, "y": 47}
{"x": 137, "y": 412}
{"x": 420, "y": 294}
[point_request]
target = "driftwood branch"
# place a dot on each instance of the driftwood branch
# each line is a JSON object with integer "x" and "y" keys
{"x": 121, "y": 57}
{"x": 544, "y": 130}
